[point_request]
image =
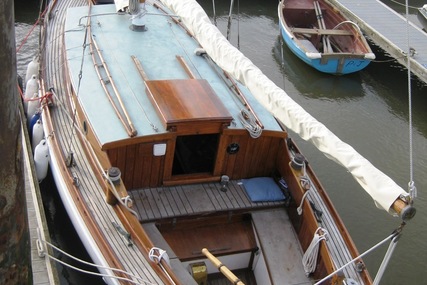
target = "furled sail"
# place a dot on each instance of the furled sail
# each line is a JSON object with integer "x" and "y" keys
{"x": 382, "y": 188}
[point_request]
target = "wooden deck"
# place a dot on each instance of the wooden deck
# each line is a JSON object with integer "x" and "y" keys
{"x": 186, "y": 200}
{"x": 129, "y": 257}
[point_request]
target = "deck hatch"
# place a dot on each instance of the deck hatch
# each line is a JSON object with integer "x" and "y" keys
{"x": 188, "y": 105}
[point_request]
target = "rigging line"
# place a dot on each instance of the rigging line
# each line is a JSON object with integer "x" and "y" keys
{"x": 254, "y": 129}
{"x": 228, "y": 81}
{"x": 229, "y": 19}
{"x": 386, "y": 259}
{"x": 101, "y": 169}
{"x": 238, "y": 24}
{"x": 71, "y": 135}
{"x": 127, "y": 81}
{"x": 41, "y": 251}
{"x": 214, "y": 12}
{"x": 406, "y": 4}
{"x": 53, "y": 73}
{"x": 183, "y": 49}
{"x": 32, "y": 29}
{"x": 411, "y": 184}
{"x": 358, "y": 257}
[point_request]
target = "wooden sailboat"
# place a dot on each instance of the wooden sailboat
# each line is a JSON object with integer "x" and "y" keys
{"x": 166, "y": 161}
{"x": 321, "y": 36}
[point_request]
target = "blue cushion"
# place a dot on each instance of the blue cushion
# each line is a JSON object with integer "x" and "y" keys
{"x": 263, "y": 189}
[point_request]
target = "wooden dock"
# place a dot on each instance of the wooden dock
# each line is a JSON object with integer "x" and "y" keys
{"x": 43, "y": 268}
{"x": 390, "y": 31}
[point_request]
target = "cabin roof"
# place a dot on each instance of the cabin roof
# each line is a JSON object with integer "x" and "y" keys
{"x": 157, "y": 49}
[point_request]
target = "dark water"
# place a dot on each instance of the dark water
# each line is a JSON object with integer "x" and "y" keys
{"x": 369, "y": 110}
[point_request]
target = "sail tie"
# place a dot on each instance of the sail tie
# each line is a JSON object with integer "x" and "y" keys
{"x": 309, "y": 260}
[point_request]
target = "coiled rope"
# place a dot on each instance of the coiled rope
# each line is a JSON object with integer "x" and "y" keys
{"x": 305, "y": 183}
{"x": 309, "y": 259}
{"x": 250, "y": 124}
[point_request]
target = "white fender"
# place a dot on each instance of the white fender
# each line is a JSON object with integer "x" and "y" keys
{"x": 32, "y": 68}
{"x": 41, "y": 159}
{"x": 37, "y": 134}
{"x": 31, "y": 88}
{"x": 32, "y": 107}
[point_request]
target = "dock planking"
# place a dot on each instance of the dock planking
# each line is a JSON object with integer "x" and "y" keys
{"x": 390, "y": 31}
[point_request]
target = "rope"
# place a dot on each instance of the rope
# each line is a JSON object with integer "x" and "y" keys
{"x": 386, "y": 259}
{"x": 309, "y": 260}
{"x": 249, "y": 122}
{"x": 104, "y": 173}
{"x": 360, "y": 256}
{"x": 32, "y": 29}
{"x": 153, "y": 126}
{"x": 406, "y": 4}
{"x": 305, "y": 183}
{"x": 229, "y": 19}
{"x": 214, "y": 12}
{"x": 156, "y": 255}
{"x": 43, "y": 253}
{"x": 125, "y": 201}
{"x": 299, "y": 209}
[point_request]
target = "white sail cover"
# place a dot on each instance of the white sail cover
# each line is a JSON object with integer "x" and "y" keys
{"x": 382, "y": 189}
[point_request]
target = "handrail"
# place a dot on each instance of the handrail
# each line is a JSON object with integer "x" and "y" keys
{"x": 184, "y": 64}
{"x": 243, "y": 97}
{"x": 127, "y": 123}
{"x": 139, "y": 67}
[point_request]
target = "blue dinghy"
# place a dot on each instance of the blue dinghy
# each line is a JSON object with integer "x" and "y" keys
{"x": 323, "y": 37}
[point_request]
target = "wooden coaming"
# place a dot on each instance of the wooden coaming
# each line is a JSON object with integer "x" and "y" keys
{"x": 140, "y": 168}
{"x": 305, "y": 224}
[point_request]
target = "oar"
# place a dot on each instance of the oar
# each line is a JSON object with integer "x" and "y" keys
{"x": 222, "y": 268}
{"x": 321, "y": 22}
